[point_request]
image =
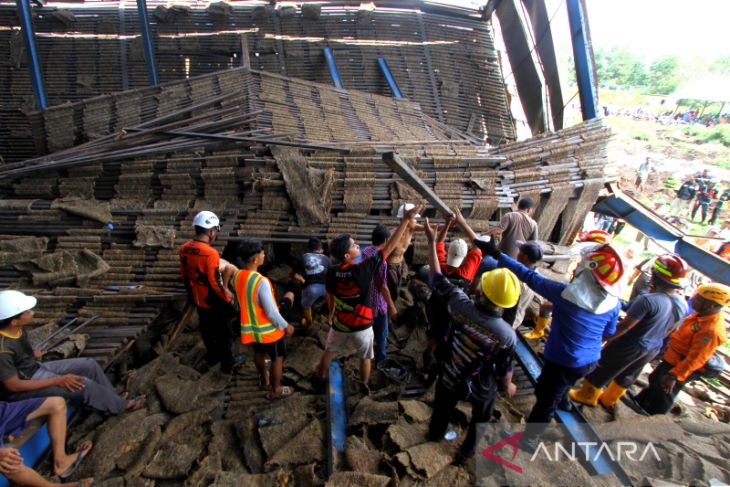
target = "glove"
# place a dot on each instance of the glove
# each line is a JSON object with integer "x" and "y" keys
{"x": 488, "y": 248}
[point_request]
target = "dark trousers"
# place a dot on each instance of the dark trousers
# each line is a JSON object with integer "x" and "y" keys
{"x": 552, "y": 386}
{"x": 716, "y": 212}
{"x": 215, "y": 330}
{"x": 652, "y": 398}
{"x": 380, "y": 332}
{"x": 444, "y": 403}
{"x": 620, "y": 363}
{"x": 699, "y": 205}
{"x": 98, "y": 393}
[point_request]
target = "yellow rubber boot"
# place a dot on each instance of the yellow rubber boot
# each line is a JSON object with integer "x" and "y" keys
{"x": 307, "y": 313}
{"x": 612, "y": 395}
{"x": 539, "y": 331}
{"x": 587, "y": 394}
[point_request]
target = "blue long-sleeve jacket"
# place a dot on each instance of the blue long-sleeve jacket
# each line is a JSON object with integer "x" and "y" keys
{"x": 575, "y": 334}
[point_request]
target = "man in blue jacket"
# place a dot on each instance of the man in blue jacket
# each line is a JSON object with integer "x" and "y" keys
{"x": 585, "y": 313}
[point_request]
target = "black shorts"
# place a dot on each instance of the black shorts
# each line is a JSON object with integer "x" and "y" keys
{"x": 275, "y": 349}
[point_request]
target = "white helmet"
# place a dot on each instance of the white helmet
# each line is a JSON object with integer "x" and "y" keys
{"x": 13, "y": 303}
{"x": 406, "y": 207}
{"x": 207, "y": 220}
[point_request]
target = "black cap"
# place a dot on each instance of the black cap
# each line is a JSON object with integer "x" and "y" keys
{"x": 531, "y": 249}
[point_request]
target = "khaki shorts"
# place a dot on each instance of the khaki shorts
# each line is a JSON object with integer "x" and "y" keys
{"x": 362, "y": 341}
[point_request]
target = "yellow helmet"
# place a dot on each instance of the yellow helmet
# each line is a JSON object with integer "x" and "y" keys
{"x": 715, "y": 292}
{"x": 501, "y": 287}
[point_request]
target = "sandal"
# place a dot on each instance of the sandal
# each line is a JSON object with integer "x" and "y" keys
{"x": 285, "y": 391}
{"x": 137, "y": 404}
{"x": 82, "y": 450}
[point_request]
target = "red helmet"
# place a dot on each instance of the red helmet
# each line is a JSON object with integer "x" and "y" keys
{"x": 670, "y": 268}
{"x": 597, "y": 236}
{"x": 606, "y": 265}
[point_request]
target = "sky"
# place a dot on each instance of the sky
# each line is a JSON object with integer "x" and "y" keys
{"x": 653, "y": 28}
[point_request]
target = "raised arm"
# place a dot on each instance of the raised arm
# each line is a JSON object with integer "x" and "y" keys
{"x": 461, "y": 221}
{"x": 408, "y": 221}
{"x": 433, "y": 261}
{"x": 444, "y": 229}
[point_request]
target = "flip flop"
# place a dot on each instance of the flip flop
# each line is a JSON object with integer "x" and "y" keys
{"x": 137, "y": 403}
{"x": 285, "y": 391}
{"x": 83, "y": 449}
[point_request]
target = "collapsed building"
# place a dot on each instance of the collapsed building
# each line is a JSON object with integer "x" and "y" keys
{"x": 97, "y": 192}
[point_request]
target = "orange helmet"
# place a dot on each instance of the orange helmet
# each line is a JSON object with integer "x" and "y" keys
{"x": 597, "y": 236}
{"x": 670, "y": 268}
{"x": 606, "y": 265}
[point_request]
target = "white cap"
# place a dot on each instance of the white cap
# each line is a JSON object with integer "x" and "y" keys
{"x": 207, "y": 220}
{"x": 13, "y": 303}
{"x": 457, "y": 252}
{"x": 406, "y": 207}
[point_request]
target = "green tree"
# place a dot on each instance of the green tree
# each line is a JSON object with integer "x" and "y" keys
{"x": 664, "y": 75}
{"x": 721, "y": 65}
{"x": 617, "y": 66}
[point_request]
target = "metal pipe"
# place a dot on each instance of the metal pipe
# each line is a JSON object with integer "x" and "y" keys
{"x": 75, "y": 330}
{"x": 383, "y": 64}
{"x": 329, "y": 56}
{"x": 53, "y": 335}
{"x": 149, "y": 52}
{"x": 583, "y": 60}
{"x": 25, "y": 15}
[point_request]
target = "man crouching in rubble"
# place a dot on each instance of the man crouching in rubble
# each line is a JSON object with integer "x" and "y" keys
{"x": 22, "y": 377}
{"x": 480, "y": 349}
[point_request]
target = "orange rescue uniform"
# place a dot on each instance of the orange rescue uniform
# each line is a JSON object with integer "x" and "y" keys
{"x": 692, "y": 345}
{"x": 199, "y": 268}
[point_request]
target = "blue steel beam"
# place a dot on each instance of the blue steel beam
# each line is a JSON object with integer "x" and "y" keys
{"x": 149, "y": 51}
{"x": 389, "y": 78}
{"x": 336, "y": 415}
{"x": 329, "y": 56}
{"x": 25, "y": 15}
{"x": 582, "y": 58}
{"x": 580, "y": 431}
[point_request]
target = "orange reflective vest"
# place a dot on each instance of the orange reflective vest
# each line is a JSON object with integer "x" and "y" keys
{"x": 255, "y": 325}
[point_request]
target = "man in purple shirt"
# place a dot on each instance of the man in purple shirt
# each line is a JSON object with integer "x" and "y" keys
{"x": 382, "y": 303}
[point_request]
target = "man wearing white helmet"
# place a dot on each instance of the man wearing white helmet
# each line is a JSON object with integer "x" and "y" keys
{"x": 200, "y": 270}
{"x": 23, "y": 377}
{"x": 397, "y": 268}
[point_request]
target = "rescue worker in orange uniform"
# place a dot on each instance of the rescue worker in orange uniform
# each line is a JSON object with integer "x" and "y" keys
{"x": 689, "y": 349}
{"x": 262, "y": 323}
{"x": 200, "y": 270}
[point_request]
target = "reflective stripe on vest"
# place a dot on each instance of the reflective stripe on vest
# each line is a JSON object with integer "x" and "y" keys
{"x": 255, "y": 325}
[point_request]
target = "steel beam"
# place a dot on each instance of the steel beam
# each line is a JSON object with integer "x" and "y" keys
{"x": 399, "y": 166}
{"x": 25, "y": 15}
{"x": 383, "y": 64}
{"x": 329, "y": 56}
{"x": 336, "y": 415}
{"x": 580, "y": 431}
{"x": 584, "y": 69}
{"x": 149, "y": 51}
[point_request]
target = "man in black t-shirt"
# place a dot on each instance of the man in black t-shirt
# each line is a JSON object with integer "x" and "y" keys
{"x": 348, "y": 299}
{"x": 311, "y": 271}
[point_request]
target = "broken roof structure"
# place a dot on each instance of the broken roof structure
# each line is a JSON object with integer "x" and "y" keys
{"x": 98, "y": 191}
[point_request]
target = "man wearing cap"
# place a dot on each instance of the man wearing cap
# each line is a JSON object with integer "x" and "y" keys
{"x": 690, "y": 347}
{"x": 397, "y": 268}
{"x": 200, "y": 271}
{"x": 480, "y": 351}
{"x": 529, "y": 254}
{"x": 459, "y": 266}
{"x": 516, "y": 225}
{"x": 23, "y": 377}
{"x": 639, "y": 336}
{"x": 585, "y": 313}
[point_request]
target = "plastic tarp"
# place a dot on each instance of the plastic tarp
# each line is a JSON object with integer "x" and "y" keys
{"x": 637, "y": 215}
